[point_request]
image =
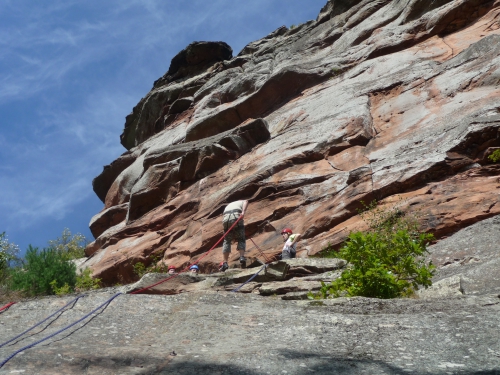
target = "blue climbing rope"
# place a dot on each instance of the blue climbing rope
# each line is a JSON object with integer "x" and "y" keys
{"x": 57, "y": 332}
{"x": 47, "y": 318}
{"x": 250, "y": 279}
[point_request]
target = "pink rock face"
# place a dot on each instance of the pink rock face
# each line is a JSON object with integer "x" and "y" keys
{"x": 377, "y": 101}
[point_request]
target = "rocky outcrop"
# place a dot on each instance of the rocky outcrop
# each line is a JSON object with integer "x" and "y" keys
{"x": 373, "y": 100}
{"x": 467, "y": 262}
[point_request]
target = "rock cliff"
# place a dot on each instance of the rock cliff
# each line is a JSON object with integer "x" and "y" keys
{"x": 391, "y": 100}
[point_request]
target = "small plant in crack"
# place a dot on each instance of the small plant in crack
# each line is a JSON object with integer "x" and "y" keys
{"x": 495, "y": 156}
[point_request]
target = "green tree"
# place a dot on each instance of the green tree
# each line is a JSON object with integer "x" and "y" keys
{"x": 387, "y": 261}
{"x": 43, "y": 272}
{"x": 72, "y": 246}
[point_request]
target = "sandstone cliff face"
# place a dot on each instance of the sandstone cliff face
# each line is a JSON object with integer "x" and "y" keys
{"x": 373, "y": 100}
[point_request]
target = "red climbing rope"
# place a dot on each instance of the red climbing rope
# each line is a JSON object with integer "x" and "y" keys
{"x": 187, "y": 268}
{"x": 261, "y": 252}
{"x": 7, "y": 306}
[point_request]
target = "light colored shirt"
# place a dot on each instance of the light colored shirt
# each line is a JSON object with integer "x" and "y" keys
{"x": 288, "y": 243}
{"x": 238, "y": 205}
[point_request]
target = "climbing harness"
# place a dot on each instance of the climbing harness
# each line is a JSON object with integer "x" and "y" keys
{"x": 47, "y": 318}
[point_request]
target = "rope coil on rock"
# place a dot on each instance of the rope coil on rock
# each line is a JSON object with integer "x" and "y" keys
{"x": 47, "y": 318}
{"x": 57, "y": 332}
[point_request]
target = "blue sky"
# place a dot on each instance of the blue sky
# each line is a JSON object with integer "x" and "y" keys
{"x": 70, "y": 71}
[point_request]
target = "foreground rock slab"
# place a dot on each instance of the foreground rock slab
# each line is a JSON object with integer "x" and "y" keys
{"x": 229, "y": 333}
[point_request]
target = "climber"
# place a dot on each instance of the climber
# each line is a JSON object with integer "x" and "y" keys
{"x": 290, "y": 248}
{"x": 232, "y": 212}
{"x": 194, "y": 269}
{"x": 171, "y": 270}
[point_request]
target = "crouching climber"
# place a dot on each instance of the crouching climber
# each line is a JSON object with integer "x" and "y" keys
{"x": 171, "y": 270}
{"x": 233, "y": 212}
{"x": 194, "y": 269}
{"x": 290, "y": 248}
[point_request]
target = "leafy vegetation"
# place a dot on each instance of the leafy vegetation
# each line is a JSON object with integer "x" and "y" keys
{"x": 495, "y": 156}
{"x": 140, "y": 268}
{"x": 387, "y": 261}
{"x": 71, "y": 245}
{"x": 85, "y": 281}
{"x": 59, "y": 291}
{"x": 43, "y": 272}
{"x": 46, "y": 271}
{"x": 8, "y": 254}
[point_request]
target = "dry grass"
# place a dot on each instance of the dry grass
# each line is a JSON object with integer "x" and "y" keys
{"x": 7, "y": 296}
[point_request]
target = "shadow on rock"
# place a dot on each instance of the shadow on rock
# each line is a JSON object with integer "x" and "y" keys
{"x": 290, "y": 362}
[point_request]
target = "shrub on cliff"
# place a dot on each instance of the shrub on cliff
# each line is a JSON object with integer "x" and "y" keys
{"x": 385, "y": 262}
{"x": 495, "y": 156}
{"x": 72, "y": 246}
{"x": 43, "y": 272}
{"x": 8, "y": 254}
{"x": 140, "y": 268}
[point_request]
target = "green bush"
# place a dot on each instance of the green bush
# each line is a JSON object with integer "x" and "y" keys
{"x": 495, "y": 156}
{"x": 140, "y": 268}
{"x": 86, "y": 282}
{"x": 43, "y": 272}
{"x": 385, "y": 262}
{"x": 65, "y": 289}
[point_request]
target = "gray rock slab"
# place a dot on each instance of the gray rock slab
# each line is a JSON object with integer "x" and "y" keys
{"x": 473, "y": 255}
{"x": 294, "y": 296}
{"x": 309, "y": 266}
{"x": 283, "y": 287}
{"x": 230, "y": 333}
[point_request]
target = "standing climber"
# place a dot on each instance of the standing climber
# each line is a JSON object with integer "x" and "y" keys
{"x": 232, "y": 212}
{"x": 290, "y": 248}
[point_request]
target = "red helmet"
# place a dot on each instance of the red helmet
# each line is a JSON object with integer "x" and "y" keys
{"x": 287, "y": 231}
{"x": 171, "y": 267}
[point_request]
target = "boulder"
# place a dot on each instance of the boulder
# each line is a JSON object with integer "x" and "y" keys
{"x": 196, "y": 56}
{"x": 299, "y": 267}
{"x": 284, "y": 287}
{"x": 182, "y": 283}
{"x": 448, "y": 287}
